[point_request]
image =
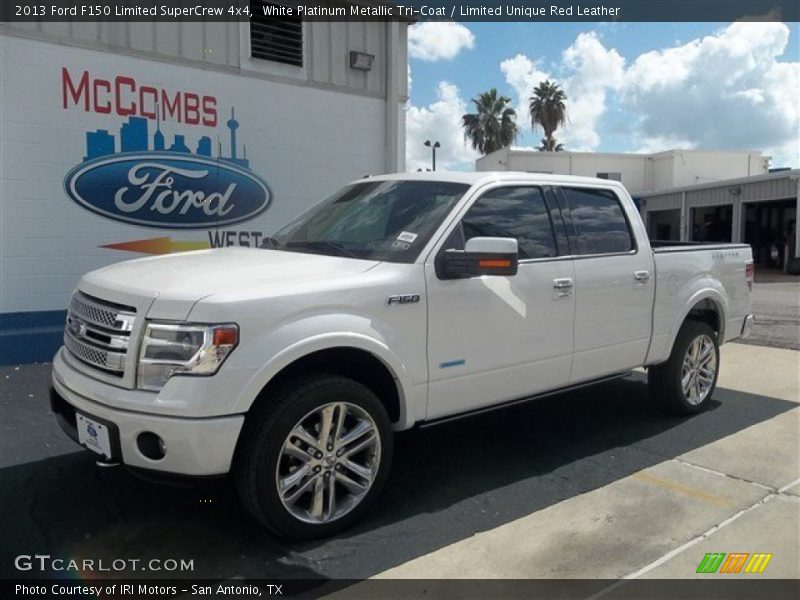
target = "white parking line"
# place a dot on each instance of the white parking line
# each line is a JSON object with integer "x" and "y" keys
{"x": 673, "y": 553}
{"x": 721, "y": 474}
{"x": 593, "y": 534}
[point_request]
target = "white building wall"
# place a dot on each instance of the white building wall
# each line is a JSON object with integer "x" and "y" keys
{"x": 303, "y": 141}
{"x": 639, "y": 172}
{"x": 216, "y": 44}
{"x": 632, "y": 167}
{"x": 693, "y": 167}
{"x": 662, "y": 173}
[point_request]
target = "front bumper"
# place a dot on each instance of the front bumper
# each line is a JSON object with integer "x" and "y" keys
{"x": 747, "y": 326}
{"x": 194, "y": 446}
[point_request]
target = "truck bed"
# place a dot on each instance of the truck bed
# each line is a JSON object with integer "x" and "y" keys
{"x": 691, "y": 274}
{"x": 675, "y": 246}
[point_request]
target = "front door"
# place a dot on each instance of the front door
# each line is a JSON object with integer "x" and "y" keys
{"x": 495, "y": 338}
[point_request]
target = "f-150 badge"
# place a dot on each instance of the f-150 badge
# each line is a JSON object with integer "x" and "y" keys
{"x": 402, "y": 299}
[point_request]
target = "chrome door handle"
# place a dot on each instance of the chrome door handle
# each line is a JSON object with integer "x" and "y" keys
{"x": 562, "y": 288}
{"x": 563, "y": 284}
{"x": 641, "y": 276}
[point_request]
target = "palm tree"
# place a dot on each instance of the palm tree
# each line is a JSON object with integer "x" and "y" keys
{"x": 548, "y": 111}
{"x": 493, "y": 125}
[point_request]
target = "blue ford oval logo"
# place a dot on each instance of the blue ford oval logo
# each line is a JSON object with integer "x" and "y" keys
{"x": 77, "y": 327}
{"x": 168, "y": 190}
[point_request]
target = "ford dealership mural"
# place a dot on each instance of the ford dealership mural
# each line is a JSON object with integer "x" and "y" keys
{"x": 168, "y": 187}
{"x": 122, "y": 147}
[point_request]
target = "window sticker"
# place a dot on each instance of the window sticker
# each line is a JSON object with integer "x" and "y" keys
{"x": 407, "y": 236}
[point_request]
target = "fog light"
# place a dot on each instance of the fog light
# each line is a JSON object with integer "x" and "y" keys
{"x": 151, "y": 445}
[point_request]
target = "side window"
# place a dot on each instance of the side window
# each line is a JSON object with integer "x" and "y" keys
{"x": 599, "y": 221}
{"x": 518, "y": 212}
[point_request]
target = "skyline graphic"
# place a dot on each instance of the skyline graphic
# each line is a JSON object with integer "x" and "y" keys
{"x": 134, "y": 137}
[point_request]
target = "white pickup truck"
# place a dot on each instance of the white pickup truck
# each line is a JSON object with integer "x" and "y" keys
{"x": 399, "y": 300}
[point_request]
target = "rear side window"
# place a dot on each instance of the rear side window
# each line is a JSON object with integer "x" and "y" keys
{"x": 599, "y": 221}
{"x": 516, "y": 212}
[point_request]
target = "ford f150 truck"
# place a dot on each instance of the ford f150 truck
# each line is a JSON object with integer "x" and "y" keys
{"x": 399, "y": 300}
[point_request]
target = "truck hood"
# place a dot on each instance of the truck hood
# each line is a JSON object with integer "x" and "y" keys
{"x": 177, "y": 281}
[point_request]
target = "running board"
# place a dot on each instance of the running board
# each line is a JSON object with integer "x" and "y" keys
{"x": 507, "y": 404}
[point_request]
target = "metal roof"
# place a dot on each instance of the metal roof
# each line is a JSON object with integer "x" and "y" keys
{"x": 723, "y": 183}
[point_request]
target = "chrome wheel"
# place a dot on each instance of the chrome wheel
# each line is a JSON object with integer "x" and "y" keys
{"x": 699, "y": 369}
{"x": 328, "y": 462}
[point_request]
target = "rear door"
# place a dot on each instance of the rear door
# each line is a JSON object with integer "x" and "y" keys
{"x": 614, "y": 283}
{"x": 498, "y": 338}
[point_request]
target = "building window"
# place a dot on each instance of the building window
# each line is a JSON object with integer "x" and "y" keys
{"x": 279, "y": 39}
{"x": 664, "y": 225}
{"x": 712, "y": 223}
{"x": 610, "y": 175}
{"x": 599, "y": 221}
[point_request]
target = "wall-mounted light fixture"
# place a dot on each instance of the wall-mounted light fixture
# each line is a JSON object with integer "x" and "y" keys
{"x": 735, "y": 191}
{"x": 361, "y": 60}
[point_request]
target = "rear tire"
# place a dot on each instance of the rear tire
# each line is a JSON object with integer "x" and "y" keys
{"x": 297, "y": 471}
{"x": 684, "y": 383}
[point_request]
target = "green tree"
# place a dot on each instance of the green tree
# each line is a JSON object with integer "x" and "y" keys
{"x": 493, "y": 125}
{"x": 548, "y": 110}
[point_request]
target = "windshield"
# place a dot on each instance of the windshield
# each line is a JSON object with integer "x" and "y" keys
{"x": 374, "y": 220}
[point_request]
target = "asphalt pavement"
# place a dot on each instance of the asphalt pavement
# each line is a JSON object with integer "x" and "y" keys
{"x": 776, "y": 305}
{"x": 593, "y": 483}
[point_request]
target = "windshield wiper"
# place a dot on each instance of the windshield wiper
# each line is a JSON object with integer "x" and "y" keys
{"x": 337, "y": 248}
{"x": 269, "y": 243}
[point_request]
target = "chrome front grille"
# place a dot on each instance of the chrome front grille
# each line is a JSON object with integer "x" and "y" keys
{"x": 98, "y": 333}
{"x": 95, "y": 357}
{"x": 111, "y": 316}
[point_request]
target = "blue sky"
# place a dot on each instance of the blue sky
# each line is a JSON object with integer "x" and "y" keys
{"x": 632, "y": 86}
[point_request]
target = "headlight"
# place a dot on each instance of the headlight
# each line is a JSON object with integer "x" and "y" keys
{"x": 173, "y": 349}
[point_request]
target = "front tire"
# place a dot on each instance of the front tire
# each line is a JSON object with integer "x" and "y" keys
{"x": 684, "y": 383}
{"x": 314, "y": 457}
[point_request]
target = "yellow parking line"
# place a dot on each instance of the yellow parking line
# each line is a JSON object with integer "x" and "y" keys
{"x": 680, "y": 488}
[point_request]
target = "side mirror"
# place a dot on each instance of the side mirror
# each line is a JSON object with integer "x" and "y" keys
{"x": 481, "y": 256}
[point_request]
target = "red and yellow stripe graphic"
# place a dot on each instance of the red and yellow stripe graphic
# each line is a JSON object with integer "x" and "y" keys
{"x": 160, "y": 245}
